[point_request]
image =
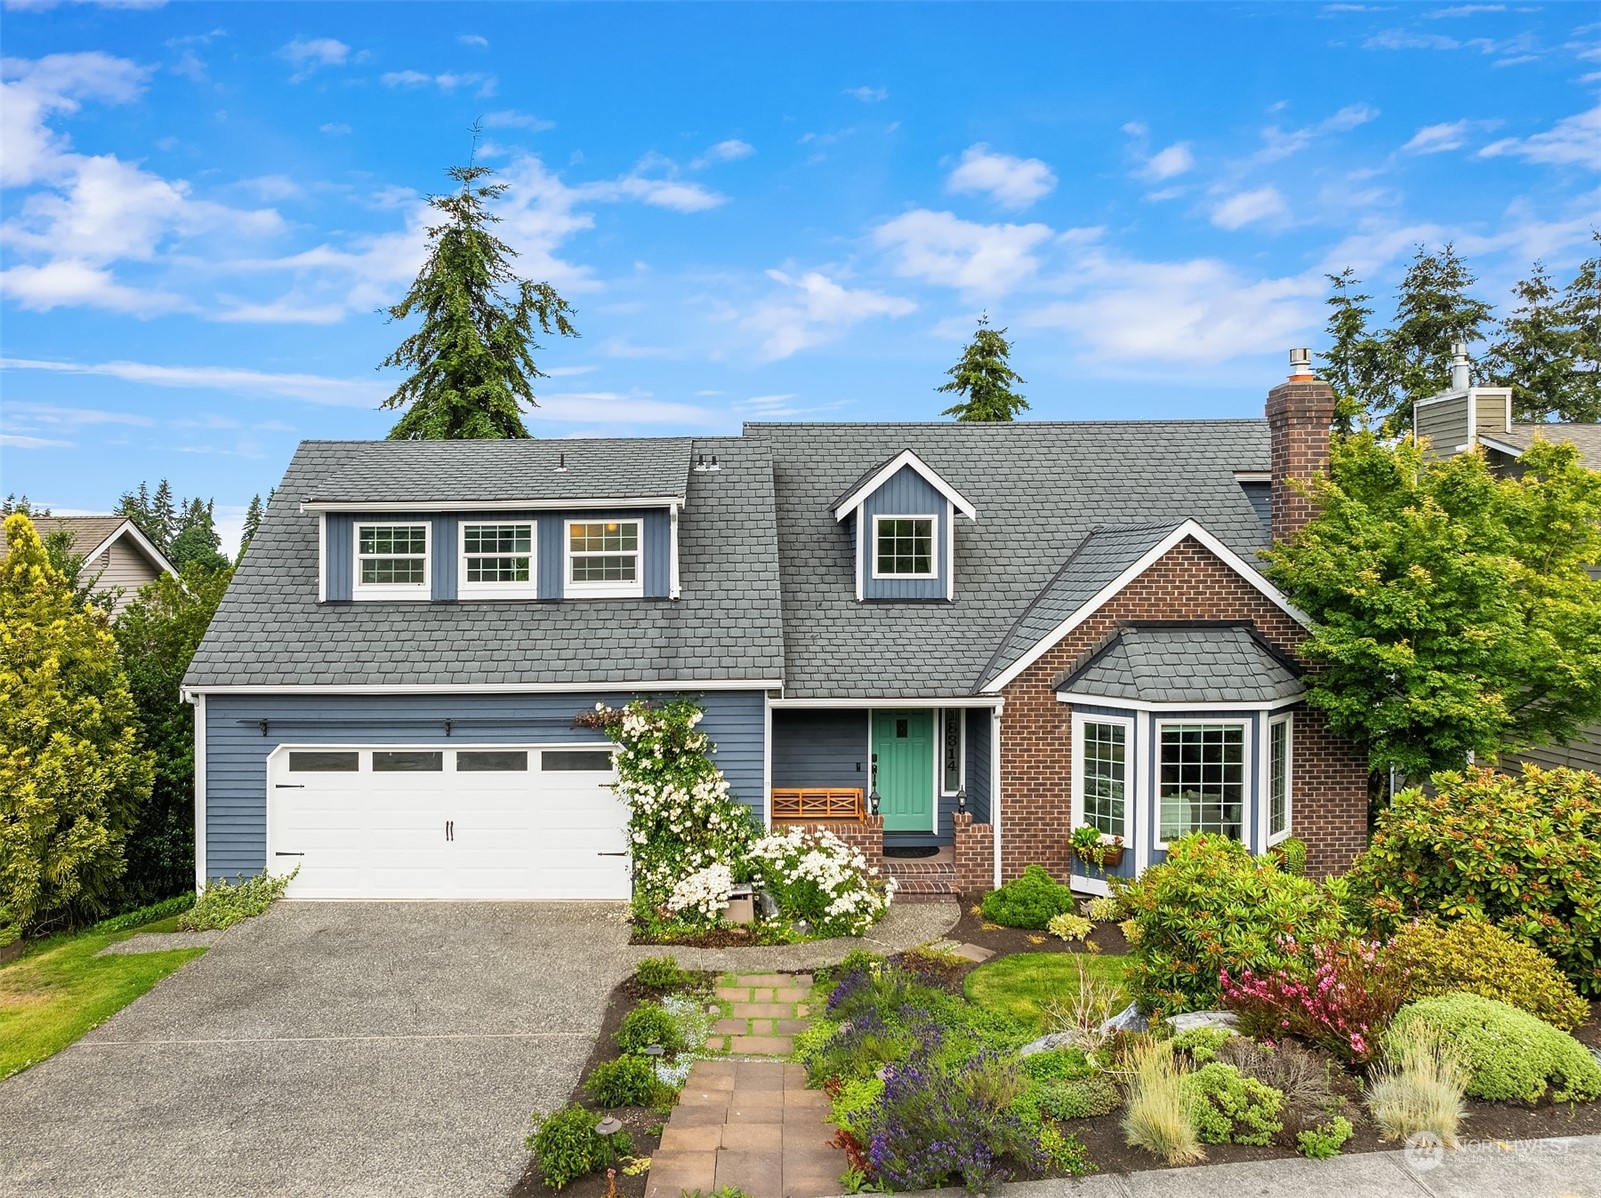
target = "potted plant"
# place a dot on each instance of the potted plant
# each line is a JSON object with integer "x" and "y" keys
{"x": 1093, "y": 847}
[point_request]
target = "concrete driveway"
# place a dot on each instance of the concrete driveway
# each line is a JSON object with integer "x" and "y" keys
{"x": 329, "y": 1049}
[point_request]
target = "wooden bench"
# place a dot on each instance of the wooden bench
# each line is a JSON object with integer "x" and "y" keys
{"x": 809, "y": 804}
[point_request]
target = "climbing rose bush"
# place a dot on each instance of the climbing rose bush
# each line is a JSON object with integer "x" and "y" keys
{"x": 817, "y": 877}
{"x": 701, "y": 897}
{"x": 681, "y": 819}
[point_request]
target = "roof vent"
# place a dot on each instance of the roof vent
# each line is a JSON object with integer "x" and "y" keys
{"x": 561, "y": 463}
{"x": 1300, "y": 363}
{"x": 702, "y": 466}
{"x": 1461, "y": 375}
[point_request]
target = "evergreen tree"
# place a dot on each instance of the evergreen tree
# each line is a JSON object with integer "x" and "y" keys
{"x": 13, "y": 503}
{"x": 72, "y": 772}
{"x": 253, "y": 515}
{"x": 1536, "y": 352}
{"x": 1354, "y": 362}
{"x": 1581, "y": 307}
{"x": 1433, "y": 312}
{"x": 471, "y": 362}
{"x": 984, "y": 379}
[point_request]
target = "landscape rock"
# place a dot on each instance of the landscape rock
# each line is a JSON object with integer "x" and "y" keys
{"x": 1228, "y": 1021}
{"x": 1128, "y": 1019}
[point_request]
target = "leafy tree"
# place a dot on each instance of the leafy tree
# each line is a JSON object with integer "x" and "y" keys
{"x": 1536, "y": 353}
{"x": 1581, "y": 304}
{"x": 72, "y": 773}
{"x": 471, "y": 362}
{"x": 184, "y": 530}
{"x": 1354, "y": 362}
{"x": 1453, "y": 610}
{"x": 984, "y": 378}
{"x": 158, "y": 634}
{"x": 1433, "y": 311}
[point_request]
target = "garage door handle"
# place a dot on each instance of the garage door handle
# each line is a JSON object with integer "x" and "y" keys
{"x": 290, "y": 785}
{"x": 289, "y": 854}
{"x": 611, "y": 854}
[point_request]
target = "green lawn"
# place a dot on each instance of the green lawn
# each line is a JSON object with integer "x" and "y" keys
{"x": 1022, "y": 984}
{"x": 60, "y": 990}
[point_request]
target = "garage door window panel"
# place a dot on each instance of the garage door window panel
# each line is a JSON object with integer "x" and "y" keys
{"x": 407, "y": 761}
{"x": 391, "y": 561}
{"x": 497, "y": 561}
{"x": 603, "y": 558}
{"x": 576, "y": 760}
{"x": 492, "y": 761}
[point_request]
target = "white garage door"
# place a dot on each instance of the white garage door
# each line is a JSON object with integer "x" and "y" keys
{"x": 403, "y": 822}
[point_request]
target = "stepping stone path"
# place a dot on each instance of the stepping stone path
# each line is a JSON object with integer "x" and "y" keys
{"x": 748, "y": 1120}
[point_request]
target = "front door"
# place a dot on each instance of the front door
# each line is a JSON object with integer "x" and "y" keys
{"x": 903, "y": 767}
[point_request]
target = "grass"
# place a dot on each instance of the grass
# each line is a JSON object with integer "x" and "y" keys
{"x": 1158, "y": 1118}
{"x": 59, "y": 990}
{"x": 1024, "y": 985}
{"x": 1419, "y": 1087}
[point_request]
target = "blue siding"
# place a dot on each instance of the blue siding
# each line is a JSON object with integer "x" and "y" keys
{"x": 907, "y": 493}
{"x": 658, "y": 550}
{"x": 236, "y": 751}
{"x": 550, "y": 549}
{"x": 339, "y": 556}
{"x": 820, "y": 748}
{"x": 1261, "y": 497}
{"x": 979, "y": 744}
{"x": 443, "y": 538}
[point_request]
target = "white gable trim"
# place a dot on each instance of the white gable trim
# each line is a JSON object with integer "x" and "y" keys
{"x": 146, "y": 547}
{"x": 1490, "y": 442}
{"x": 905, "y": 458}
{"x": 1188, "y": 529}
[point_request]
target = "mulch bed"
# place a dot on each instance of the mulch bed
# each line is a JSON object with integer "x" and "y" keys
{"x": 1003, "y": 942}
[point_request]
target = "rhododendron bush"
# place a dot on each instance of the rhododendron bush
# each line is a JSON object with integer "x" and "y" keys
{"x": 817, "y": 877}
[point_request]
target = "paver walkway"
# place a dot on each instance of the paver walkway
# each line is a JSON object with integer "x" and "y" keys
{"x": 749, "y": 1122}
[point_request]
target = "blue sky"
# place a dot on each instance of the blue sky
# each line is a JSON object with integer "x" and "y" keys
{"x": 759, "y": 211}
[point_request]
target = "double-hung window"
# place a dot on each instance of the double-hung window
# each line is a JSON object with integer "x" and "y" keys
{"x": 391, "y": 561}
{"x": 1279, "y": 754}
{"x": 1202, "y": 779}
{"x": 603, "y": 558}
{"x": 497, "y": 562}
{"x": 903, "y": 547}
{"x": 1101, "y": 782}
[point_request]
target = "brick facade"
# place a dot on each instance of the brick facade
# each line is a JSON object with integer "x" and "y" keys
{"x": 866, "y": 836}
{"x": 1329, "y": 784}
{"x": 974, "y": 850}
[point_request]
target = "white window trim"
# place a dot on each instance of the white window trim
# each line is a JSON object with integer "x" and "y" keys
{"x": 933, "y": 546}
{"x": 1080, "y": 719}
{"x": 1288, "y": 722}
{"x": 1246, "y": 758}
{"x": 389, "y": 590}
{"x": 943, "y": 715}
{"x": 497, "y": 590}
{"x": 602, "y": 590}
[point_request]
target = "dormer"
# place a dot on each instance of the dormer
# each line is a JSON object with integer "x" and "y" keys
{"x": 902, "y": 515}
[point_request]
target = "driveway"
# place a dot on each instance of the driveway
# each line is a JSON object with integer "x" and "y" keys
{"x": 330, "y": 1049}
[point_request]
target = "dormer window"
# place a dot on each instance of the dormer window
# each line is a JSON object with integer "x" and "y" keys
{"x": 603, "y": 559}
{"x": 391, "y": 561}
{"x": 903, "y": 546}
{"x": 497, "y": 561}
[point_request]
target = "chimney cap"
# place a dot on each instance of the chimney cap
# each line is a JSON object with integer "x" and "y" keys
{"x": 1300, "y": 363}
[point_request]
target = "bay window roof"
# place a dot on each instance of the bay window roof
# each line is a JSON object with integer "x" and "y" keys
{"x": 1184, "y": 663}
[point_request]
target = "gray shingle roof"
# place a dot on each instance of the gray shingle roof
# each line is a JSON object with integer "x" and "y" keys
{"x": 1040, "y": 489}
{"x": 1155, "y": 663}
{"x": 1585, "y": 437}
{"x": 271, "y": 631}
{"x": 487, "y": 471}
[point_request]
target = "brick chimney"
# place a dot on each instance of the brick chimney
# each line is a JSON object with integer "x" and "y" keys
{"x": 1300, "y": 414}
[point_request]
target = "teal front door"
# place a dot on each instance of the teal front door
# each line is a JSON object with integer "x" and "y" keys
{"x": 903, "y": 768}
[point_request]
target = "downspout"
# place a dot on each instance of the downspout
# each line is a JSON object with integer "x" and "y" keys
{"x": 198, "y": 698}
{"x": 995, "y": 788}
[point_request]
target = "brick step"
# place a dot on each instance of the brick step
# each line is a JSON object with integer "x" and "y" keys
{"x": 923, "y": 889}
{"x": 901, "y": 867}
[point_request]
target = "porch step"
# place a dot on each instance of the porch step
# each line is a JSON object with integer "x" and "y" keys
{"x": 921, "y": 880}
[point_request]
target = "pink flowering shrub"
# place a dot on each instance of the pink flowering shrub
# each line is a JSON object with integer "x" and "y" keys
{"x": 1339, "y": 996}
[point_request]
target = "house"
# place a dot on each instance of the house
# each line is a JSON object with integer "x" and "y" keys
{"x": 1465, "y": 418}
{"x": 118, "y": 559}
{"x": 960, "y": 640}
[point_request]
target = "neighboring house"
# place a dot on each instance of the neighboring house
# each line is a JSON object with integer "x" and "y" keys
{"x": 1468, "y": 417}
{"x": 118, "y": 559}
{"x": 957, "y": 636}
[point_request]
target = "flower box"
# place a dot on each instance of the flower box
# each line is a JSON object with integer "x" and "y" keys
{"x": 1107, "y": 857}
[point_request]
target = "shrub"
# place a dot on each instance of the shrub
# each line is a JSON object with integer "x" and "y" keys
{"x": 222, "y": 905}
{"x": 1104, "y": 908}
{"x": 627, "y": 1081}
{"x": 854, "y": 1104}
{"x": 1158, "y": 1118}
{"x": 1029, "y": 901}
{"x": 1506, "y": 1053}
{"x": 1063, "y": 1152}
{"x": 1230, "y": 1108}
{"x": 1076, "y": 1097}
{"x": 1059, "y": 1063}
{"x": 133, "y": 919}
{"x": 1523, "y": 853}
{"x": 1418, "y": 1087}
{"x": 1301, "y": 1076}
{"x": 1291, "y": 853}
{"x": 649, "y": 1023}
{"x": 1324, "y": 1141}
{"x": 661, "y": 973}
{"x": 817, "y": 877}
{"x": 1479, "y": 958}
{"x": 1069, "y": 927}
{"x": 1200, "y": 1044}
{"x": 1341, "y": 998}
{"x": 568, "y": 1147}
{"x": 1212, "y": 907}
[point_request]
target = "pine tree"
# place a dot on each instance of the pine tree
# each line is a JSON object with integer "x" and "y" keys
{"x": 1433, "y": 312}
{"x": 1536, "y": 353}
{"x": 471, "y": 362}
{"x": 1354, "y": 362}
{"x": 1581, "y": 307}
{"x": 164, "y": 516}
{"x": 253, "y": 515}
{"x": 984, "y": 379}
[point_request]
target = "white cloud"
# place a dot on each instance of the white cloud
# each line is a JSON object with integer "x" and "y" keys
{"x": 67, "y": 283}
{"x": 334, "y": 128}
{"x": 33, "y": 416}
{"x": 476, "y": 40}
{"x": 731, "y": 150}
{"x": 308, "y": 55}
{"x": 1572, "y": 141}
{"x": 1434, "y": 139}
{"x": 508, "y": 118}
{"x": 868, "y": 95}
{"x": 1348, "y": 118}
{"x": 812, "y": 309}
{"x": 1462, "y": 10}
{"x": 446, "y": 81}
{"x": 659, "y": 193}
{"x": 1010, "y": 182}
{"x": 46, "y": 5}
{"x": 1281, "y": 143}
{"x": 34, "y": 91}
{"x": 19, "y": 441}
{"x": 980, "y": 260}
{"x": 312, "y": 388}
{"x": 1403, "y": 39}
{"x": 1248, "y": 207}
{"x": 1169, "y": 163}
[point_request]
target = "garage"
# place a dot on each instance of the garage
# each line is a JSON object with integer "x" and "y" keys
{"x": 428, "y": 822}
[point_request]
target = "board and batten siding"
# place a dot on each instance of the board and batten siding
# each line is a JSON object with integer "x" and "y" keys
{"x": 444, "y": 532}
{"x": 236, "y": 751}
{"x": 905, "y": 493}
